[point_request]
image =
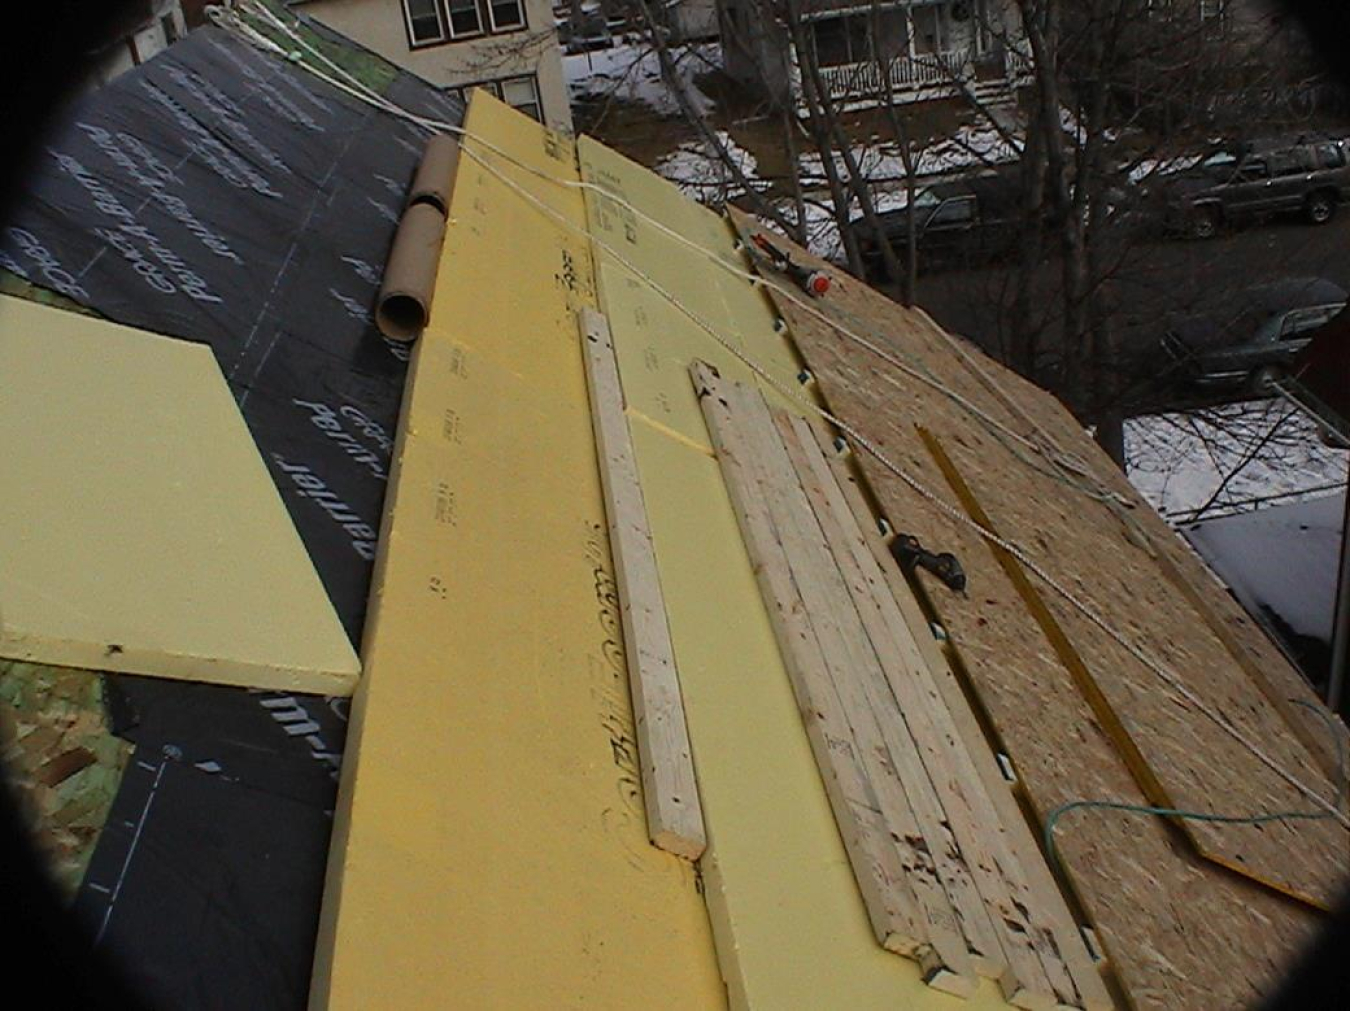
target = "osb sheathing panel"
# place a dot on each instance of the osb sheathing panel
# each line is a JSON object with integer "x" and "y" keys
{"x": 62, "y": 761}
{"x": 1182, "y": 932}
{"x": 1278, "y": 679}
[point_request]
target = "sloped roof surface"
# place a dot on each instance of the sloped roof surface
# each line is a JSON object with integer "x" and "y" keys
{"x": 219, "y": 195}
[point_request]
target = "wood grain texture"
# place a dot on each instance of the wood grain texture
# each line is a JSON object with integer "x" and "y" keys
{"x": 1037, "y": 970}
{"x": 1182, "y": 932}
{"x": 1014, "y": 828}
{"x": 901, "y": 920}
{"x": 896, "y": 736}
{"x": 669, "y": 789}
{"x": 1244, "y": 639}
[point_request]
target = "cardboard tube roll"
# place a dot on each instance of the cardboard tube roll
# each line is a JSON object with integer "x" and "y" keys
{"x": 404, "y": 305}
{"x": 435, "y": 178}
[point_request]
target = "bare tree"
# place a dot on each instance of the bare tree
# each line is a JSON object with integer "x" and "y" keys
{"x": 1108, "y": 91}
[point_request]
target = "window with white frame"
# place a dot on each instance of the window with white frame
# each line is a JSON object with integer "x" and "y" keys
{"x": 425, "y": 23}
{"x": 521, "y": 93}
{"x": 506, "y": 14}
{"x": 465, "y": 18}
{"x": 433, "y": 21}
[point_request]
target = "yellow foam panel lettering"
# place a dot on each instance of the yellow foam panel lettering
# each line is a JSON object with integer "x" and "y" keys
{"x": 490, "y": 848}
{"x": 139, "y": 528}
{"x": 789, "y": 923}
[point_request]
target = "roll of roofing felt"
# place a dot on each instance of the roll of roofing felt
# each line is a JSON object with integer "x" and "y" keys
{"x": 435, "y": 176}
{"x": 404, "y": 305}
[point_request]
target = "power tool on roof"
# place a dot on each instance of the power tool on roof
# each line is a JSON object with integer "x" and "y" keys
{"x": 911, "y": 555}
{"x": 814, "y": 282}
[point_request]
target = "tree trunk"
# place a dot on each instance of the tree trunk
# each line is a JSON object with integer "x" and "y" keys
{"x": 820, "y": 104}
{"x": 900, "y": 132}
{"x": 670, "y": 75}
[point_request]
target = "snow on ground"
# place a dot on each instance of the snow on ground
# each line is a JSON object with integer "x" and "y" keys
{"x": 1151, "y": 168}
{"x": 822, "y": 230}
{"x": 701, "y": 174}
{"x": 973, "y": 145}
{"x": 631, "y": 71}
{"x": 1225, "y": 457}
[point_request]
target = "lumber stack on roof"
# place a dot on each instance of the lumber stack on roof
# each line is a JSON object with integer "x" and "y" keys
{"x": 790, "y": 927}
{"x": 1180, "y": 930}
{"x": 903, "y": 782}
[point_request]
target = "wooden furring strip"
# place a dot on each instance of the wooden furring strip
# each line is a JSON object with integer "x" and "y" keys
{"x": 898, "y": 918}
{"x": 669, "y": 788}
{"x": 1047, "y": 899}
{"x": 1037, "y": 974}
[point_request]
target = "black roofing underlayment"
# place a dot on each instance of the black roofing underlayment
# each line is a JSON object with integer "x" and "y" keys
{"x": 219, "y": 195}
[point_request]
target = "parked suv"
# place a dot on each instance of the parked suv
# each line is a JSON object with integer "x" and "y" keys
{"x": 1245, "y": 182}
{"x": 965, "y": 221}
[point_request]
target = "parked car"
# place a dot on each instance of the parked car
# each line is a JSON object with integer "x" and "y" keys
{"x": 1245, "y": 182}
{"x": 586, "y": 31}
{"x": 964, "y": 221}
{"x": 1253, "y": 346}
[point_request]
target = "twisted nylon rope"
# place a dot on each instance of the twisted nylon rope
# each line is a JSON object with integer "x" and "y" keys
{"x": 230, "y": 19}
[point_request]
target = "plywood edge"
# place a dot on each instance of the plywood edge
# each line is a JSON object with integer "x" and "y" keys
{"x": 670, "y": 791}
{"x": 1148, "y": 780}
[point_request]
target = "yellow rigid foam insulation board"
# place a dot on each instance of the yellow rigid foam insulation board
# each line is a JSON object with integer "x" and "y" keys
{"x": 139, "y": 528}
{"x": 490, "y": 848}
{"x": 791, "y": 929}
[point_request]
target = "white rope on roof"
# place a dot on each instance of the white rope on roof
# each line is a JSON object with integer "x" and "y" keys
{"x": 228, "y": 18}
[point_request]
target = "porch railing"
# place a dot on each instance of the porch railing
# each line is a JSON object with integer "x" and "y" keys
{"x": 1018, "y": 64}
{"x": 864, "y": 80}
